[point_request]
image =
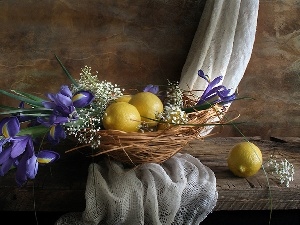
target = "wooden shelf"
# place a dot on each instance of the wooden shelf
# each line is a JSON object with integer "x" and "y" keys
{"x": 61, "y": 187}
{"x": 252, "y": 193}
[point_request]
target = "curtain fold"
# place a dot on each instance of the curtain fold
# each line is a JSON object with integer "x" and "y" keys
{"x": 222, "y": 44}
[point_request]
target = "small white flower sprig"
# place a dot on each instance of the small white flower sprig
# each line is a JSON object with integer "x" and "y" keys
{"x": 282, "y": 169}
{"x": 91, "y": 117}
{"x": 173, "y": 104}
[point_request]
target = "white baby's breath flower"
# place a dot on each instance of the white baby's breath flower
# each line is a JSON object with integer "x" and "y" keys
{"x": 283, "y": 170}
{"x": 90, "y": 118}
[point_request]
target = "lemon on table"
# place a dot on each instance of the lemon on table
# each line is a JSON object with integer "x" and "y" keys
{"x": 244, "y": 159}
{"x": 124, "y": 98}
{"x": 148, "y": 105}
{"x": 121, "y": 116}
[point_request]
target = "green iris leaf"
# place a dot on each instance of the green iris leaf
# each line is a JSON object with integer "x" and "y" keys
{"x": 35, "y": 131}
{"x": 27, "y": 112}
{"x": 29, "y": 96}
{"x": 22, "y": 98}
{"x": 67, "y": 72}
{"x": 197, "y": 108}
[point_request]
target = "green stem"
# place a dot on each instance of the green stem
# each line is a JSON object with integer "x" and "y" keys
{"x": 67, "y": 72}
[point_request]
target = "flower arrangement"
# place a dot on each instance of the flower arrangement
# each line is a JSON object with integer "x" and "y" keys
{"x": 77, "y": 111}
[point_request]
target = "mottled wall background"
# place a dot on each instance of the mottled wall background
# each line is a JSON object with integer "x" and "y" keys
{"x": 272, "y": 77}
{"x": 134, "y": 43}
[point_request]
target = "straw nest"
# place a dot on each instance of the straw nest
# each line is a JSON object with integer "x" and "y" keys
{"x": 153, "y": 147}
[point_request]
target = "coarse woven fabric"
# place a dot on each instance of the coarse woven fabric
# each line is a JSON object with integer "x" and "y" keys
{"x": 179, "y": 191}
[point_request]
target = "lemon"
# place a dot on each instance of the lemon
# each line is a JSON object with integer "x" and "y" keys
{"x": 121, "y": 116}
{"x": 244, "y": 159}
{"x": 124, "y": 98}
{"x": 148, "y": 105}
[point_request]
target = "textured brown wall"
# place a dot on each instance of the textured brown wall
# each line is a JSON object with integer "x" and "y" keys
{"x": 127, "y": 42}
{"x": 135, "y": 43}
{"x": 272, "y": 77}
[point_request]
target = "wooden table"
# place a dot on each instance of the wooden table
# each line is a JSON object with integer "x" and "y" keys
{"x": 252, "y": 193}
{"x": 61, "y": 187}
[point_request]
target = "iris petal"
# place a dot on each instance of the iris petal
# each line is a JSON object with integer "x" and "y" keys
{"x": 6, "y": 166}
{"x": 224, "y": 92}
{"x": 46, "y": 156}
{"x": 63, "y": 110}
{"x": 62, "y": 100}
{"x": 202, "y": 75}
{"x": 3, "y": 141}
{"x": 32, "y": 167}
{"x": 82, "y": 99}
{"x": 21, "y": 173}
{"x": 151, "y": 88}
{"x": 20, "y": 144}
{"x": 56, "y": 133}
{"x": 216, "y": 81}
{"x": 10, "y": 126}
{"x": 5, "y": 155}
{"x": 227, "y": 98}
{"x": 64, "y": 89}
{"x": 212, "y": 84}
{"x": 214, "y": 91}
{"x": 48, "y": 104}
{"x": 28, "y": 165}
{"x": 58, "y": 119}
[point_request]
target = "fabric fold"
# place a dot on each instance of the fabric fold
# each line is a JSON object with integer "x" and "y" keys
{"x": 222, "y": 44}
{"x": 180, "y": 191}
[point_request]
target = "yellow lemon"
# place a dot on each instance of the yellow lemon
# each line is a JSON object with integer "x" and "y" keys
{"x": 244, "y": 159}
{"x": 124, "y": 98}
{"x": 121, "y": 116}
{"x": 149, "y": 106}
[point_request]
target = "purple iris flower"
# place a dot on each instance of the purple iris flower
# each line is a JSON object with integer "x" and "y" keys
{"x": 82, "y": 98}
{"x": 9, "y": 127}
{"x": 62, "y": 103}
{"x": 151, "y": 88}
{"x": 22, "y": 152}
{"x": 18, "y": 151}
{"x": 63, "y": 112}
{"x": 213, "y": 93}
{"x": 56, "y": 133}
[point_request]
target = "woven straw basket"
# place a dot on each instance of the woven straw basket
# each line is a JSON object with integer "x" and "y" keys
{"x": 152, "y": 147}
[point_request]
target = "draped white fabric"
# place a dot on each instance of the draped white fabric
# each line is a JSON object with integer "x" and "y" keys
{"x": 180, "y": 191}
{"x": 222, "y": 44}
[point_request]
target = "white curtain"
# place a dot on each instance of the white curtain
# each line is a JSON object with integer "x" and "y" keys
{"x": 222, "y": 44}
